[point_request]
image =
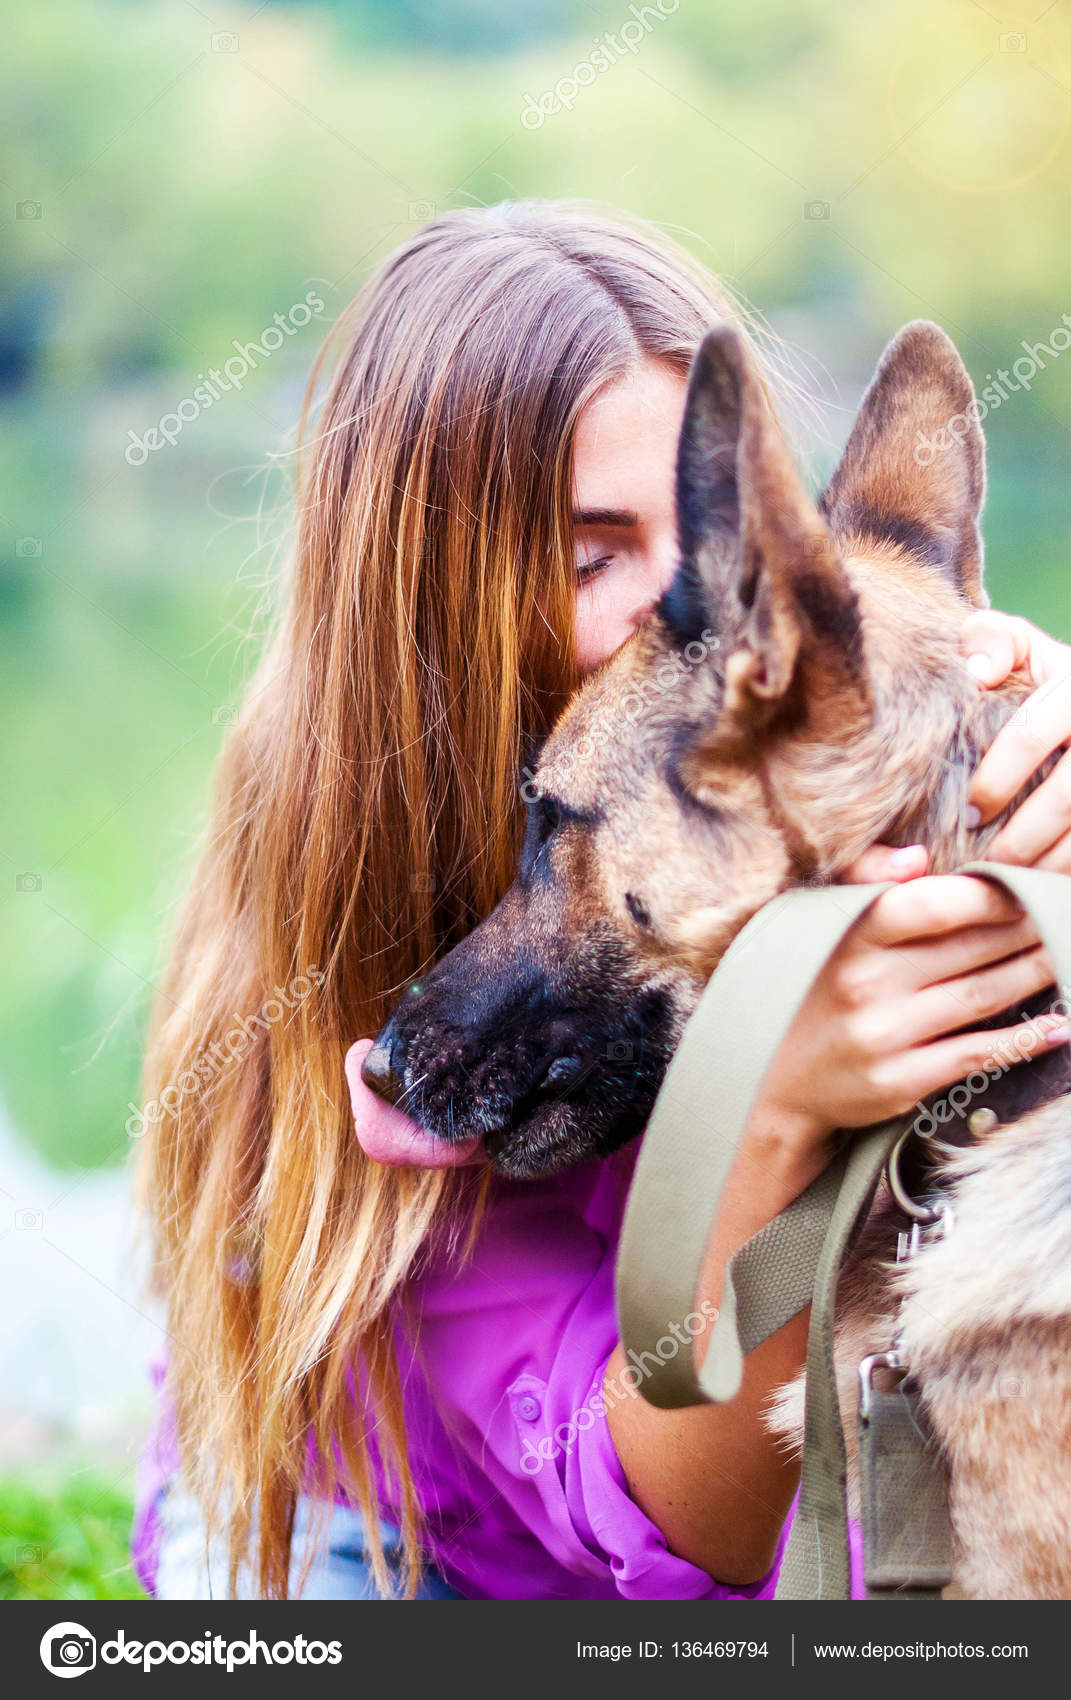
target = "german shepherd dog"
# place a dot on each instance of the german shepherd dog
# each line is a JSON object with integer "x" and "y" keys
{"x": 799, "y": 695}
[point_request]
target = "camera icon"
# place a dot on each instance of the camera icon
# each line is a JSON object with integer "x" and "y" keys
{"x": 224, "y": 41}
{"x": 29, "y": 1555}
{"x": 1014, "y": 41}
{"x": 816, "y": 210}
{"x": 27, "y": 547}
{"x": 29, "y": 1221}
{"x": 28, "y": 882}
{"x": 420, "y": 210}
{"x": 28, "y": 209}
{"x": 68, "y": 1649}
{"x": 421, "y": 882}
{"x": 1012, "y": 1387}
{"x": 619, "y": 1050}
{"x": 225, "y": 716}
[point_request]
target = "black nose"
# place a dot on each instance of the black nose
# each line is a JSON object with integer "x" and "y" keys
{"x": 378, "y": 1073}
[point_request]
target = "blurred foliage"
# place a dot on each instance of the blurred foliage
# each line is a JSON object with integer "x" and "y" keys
{"x": 172, "y": 181}
{"x": 65, "y": 1539}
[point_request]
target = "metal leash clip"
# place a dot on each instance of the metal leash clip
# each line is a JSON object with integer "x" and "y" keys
{"x": 922, "y": 1216}
{"x": 892, "y": 1359}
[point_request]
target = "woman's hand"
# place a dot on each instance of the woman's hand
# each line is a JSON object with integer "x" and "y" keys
{"x": 1039, "y": 832}
{"x": 880, "y": 1027}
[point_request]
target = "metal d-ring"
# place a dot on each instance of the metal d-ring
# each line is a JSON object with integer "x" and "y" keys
{"x": 924, "y": 1214}
{"x": 892, "y": 1359}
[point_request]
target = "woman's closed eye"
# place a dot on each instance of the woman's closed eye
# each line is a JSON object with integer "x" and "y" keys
{"x": 587, "y": 571}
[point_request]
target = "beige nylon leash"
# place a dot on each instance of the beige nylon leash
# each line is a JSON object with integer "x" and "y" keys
{"x": 691, "y": 1142}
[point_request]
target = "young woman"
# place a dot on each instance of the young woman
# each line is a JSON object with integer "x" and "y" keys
{"x": 367, "y": 1339}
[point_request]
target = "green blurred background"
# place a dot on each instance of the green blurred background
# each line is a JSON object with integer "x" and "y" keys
{"x": 176, "y": 174}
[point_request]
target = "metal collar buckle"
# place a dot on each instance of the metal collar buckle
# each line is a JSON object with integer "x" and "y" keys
{"x": 922, "y": 1215}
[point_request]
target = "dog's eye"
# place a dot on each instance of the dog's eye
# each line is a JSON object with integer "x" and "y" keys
{"x": 550, "y": 816}
{"x": 637, "y": 909}
{"x": 545, "y": 815}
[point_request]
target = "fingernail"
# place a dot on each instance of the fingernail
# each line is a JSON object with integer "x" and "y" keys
{"x": 1059, "y": 1034}
{"x": 979, "y": 666}
{"x": 908, "y": 857}
{"x": 974, "y": 815}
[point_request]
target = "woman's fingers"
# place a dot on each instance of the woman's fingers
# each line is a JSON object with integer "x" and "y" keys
{"x": 971, "y": 998}
{"x": 968, "y": 950}
{"x": 1058, "y": 859}
{"x": 928, "y": 908}
{"x": 1040, "y": 822}
{"x": 929, "y": 1068}
{"x": 882, "y": 862}
{"x": 1041, "y": 725}
{"x": 997, "y": 644}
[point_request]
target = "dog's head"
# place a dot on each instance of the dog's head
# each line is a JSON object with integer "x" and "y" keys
{"x": 782, "y": 711}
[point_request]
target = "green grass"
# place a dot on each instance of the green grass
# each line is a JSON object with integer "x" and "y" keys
{"x": 65, "y": 1540}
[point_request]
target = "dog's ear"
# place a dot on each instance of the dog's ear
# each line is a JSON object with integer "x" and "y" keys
{"x": 913, "y": 470}
{"x": 757, "y": 560}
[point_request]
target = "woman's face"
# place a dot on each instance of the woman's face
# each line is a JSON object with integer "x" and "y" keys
{"x": 623, "y": 506}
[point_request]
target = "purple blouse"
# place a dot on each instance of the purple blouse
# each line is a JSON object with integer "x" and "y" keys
{"x": 522, "y": 1490}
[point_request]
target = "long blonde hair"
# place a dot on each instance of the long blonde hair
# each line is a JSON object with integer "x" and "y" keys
{"x": 365, "y": 817}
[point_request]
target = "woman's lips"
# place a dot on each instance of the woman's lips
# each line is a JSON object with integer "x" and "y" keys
{"x": 389, "y": 1137}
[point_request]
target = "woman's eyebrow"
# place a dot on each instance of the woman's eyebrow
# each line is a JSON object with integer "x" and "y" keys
{"x": 605, "y": 516}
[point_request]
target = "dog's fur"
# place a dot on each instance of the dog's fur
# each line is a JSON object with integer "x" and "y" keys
{"x": 800, "y": 695}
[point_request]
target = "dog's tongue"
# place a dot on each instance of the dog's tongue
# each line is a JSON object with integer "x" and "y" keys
{"x": 390, "y": 1138}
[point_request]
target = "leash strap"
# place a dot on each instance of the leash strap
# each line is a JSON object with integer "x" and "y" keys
{"x": 691, "y": 1142}
{"x": 817, "y": 1562}
{"x": 688, "y": 1152}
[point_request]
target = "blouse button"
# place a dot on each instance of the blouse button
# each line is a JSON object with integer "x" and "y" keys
{"x": 528, "y": 1408}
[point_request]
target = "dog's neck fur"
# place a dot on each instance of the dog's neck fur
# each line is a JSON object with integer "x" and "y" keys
{"x": 934, "y": 784}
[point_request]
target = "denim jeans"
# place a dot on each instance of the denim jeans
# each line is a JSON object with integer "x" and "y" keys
{"x": 339, "y": 1571}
